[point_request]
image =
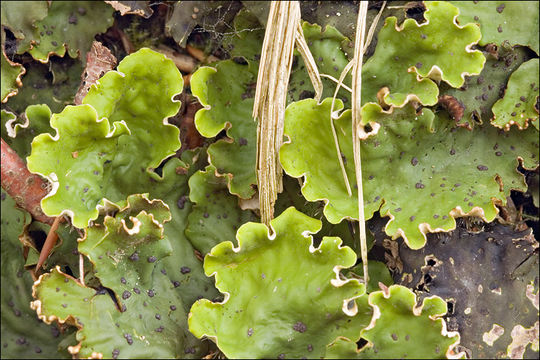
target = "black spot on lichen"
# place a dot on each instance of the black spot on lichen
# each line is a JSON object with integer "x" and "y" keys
{"x": 134, "y": 256}
{"x": 126, "y": 295}
{"x": 152, "y": 259}
{"x": 181, "y": 202}
{"x": 300, "y": 327}
{"x": 72, "y": 19}
{"x": 242, "y": 141}
{"x": 482, "y": 167}
{"x": 414, "y": 161}
{"x": 185, "y": 270}
{"x": 128, "y": 338}
{"x": 151, "y": 293}
{"x": 250, "y": 332}
{"x": 419, "y": 185}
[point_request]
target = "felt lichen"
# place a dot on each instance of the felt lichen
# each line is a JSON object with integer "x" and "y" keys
{"x": 99, "y": 163}
{"x": 216, "y": 214}
{"x": 226, "y": 91}
{"x": 472, "y": 103}
{"x": 409, "y": 57}
{"x": 68, "y": 25}
{"x": 444, "y": 171}
{"x": 511, "y": 22}
{"x": 519, "y": 106}
{"x": 400, "y": 329}
{"x": 23, "y": 335}
{"x": 143, "y": 316}
{"x": 253, "y": 320}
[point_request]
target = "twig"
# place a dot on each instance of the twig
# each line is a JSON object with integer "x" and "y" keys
{"x": 25, "y": 188}
{"x": 356, "y": 126}
{"x": 183, "y": 62}
{"x": 199, "y": 55}
{"x": 50, "y": 241}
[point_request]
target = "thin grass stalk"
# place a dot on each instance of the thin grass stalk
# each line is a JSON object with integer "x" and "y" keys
{"x": 270, "y": 99}
{"x": 356, "y": 125}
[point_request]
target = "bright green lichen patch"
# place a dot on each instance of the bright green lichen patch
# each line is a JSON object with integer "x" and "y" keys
{"x": 513, "y": 22}
{"x": 443, "y": 171}
{"x": 314, "y": 157}
{"x": 148, "y": 318}
{"x": 216, "y": 214}
{"x": 141, "y": 94}
{"x": 97, "y": 162}
{"x": 227, "y": 93}
{"x": 408, "y": 57}
{"x": 400, "y": 329}
{"x": 82, "y": 148}
{"x": 70, "y": 25}
{"x": 477, "y": 96}
{"x": 327, "y": 50}
{"x": 519, "y": 104}
{"x": 23, "y": 335}
{"x": 283, "y": 298}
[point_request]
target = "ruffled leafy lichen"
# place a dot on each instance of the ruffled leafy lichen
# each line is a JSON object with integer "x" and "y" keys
{"x": 23, "y": 335}
{"x": 401, "y": 329}
{"x": 443, "y": 171}
{"x": 215, "y": 214}
{"x": 409, "y": 57}
{"x": 254, "y": 320}
{"x": 519, "y": 106}
{"x": 226, "y": 91}
{"x": 143, "y": 316}
{"x": 513, "y": 22}
{"x": 98, "y": 162}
